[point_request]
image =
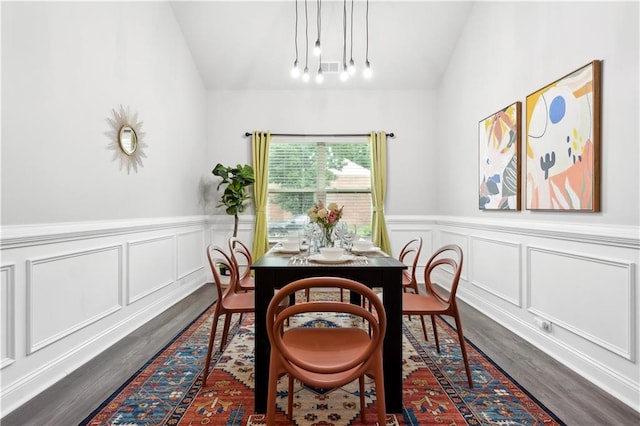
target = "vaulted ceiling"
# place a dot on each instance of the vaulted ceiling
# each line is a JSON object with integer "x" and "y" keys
{"x": 250, "y": 45}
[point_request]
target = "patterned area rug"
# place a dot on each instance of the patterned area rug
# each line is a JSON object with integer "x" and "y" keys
{"x": 168, "y": 389}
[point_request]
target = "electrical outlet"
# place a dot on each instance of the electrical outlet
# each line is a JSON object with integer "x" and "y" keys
{"x": 543, "y": 324}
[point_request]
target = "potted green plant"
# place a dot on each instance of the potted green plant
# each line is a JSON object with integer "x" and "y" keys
{"x": 237, "y": 179}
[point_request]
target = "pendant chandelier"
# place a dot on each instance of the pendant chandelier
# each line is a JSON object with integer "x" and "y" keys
{"x": 347, "y": 69}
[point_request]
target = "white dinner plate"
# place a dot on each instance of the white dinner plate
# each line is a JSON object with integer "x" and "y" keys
{"x": 369, "y": 250}
{"x": 287, "y": 251}
{"x": 318, "y": 258}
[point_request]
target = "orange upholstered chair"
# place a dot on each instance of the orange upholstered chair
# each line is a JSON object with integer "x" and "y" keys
{"x": 326, "y": 357}
{"x": 437, "y": 303}
{"x": 242, "y": 260}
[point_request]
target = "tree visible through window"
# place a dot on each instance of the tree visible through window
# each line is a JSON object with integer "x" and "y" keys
{"x": 302, "y": 173}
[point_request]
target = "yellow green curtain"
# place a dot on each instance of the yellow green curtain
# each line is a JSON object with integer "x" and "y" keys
{"x": 260, "y": 147}
{"x": 380, "y": 236}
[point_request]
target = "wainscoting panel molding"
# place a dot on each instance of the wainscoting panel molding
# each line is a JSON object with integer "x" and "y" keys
{"x": 71, "y": 290}
{"x": 495, "y": 267}
{"x": 68, "y": 292}
{"x": 7, "y": 315}
{"x": 190, "y": 252}
{"x": 569, "y": 288}
{"x": 152, "y": 266}
{"x": 604, "y": 288}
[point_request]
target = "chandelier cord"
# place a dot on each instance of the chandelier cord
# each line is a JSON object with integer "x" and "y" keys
{"x": 306, "y": 31}
{"x": 344, "y": 39}
{"x": 367, "y": 20}
{"x": 351, "y": 60}
{"x": 296, "y": 34}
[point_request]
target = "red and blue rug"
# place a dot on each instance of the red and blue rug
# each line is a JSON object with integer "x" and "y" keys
{"x": 168, "y": 390}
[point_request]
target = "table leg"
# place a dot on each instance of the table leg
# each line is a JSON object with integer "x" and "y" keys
{"x": 392, "y": 352}
{"x": 263, "y": 295}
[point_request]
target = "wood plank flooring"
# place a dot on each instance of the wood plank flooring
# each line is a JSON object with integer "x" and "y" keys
{"x": 572, "y": 398}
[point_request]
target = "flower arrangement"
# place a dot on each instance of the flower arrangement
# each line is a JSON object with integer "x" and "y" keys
{"x": 327, "y": 218}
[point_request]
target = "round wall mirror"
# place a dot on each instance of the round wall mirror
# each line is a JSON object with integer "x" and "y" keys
{"x": 128, "y": 140}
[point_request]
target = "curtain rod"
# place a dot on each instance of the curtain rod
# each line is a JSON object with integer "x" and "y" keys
{"x": 390, "y": 134}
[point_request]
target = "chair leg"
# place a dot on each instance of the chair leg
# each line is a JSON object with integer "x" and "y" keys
{"x": 463, "y": 349}
{"x": 271, "y": 392}
{"x": 225, "y": 331}
{"x": 424, "y": 328}
{"x": 361, "y": 383}
{"x": 212, "y": 337}
{"x": 290, "y": 398}
{"x": 380, "y": 396}
{"x": 435, "y": 332}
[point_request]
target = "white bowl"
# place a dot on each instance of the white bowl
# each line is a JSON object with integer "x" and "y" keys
{"x": 362, "y": 245}
{"x": 331, "y": 253}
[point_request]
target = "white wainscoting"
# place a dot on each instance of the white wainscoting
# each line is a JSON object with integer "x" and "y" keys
{"x": 152, "y": 266}
{"x": 604, "y": 288}
{"x": 69, "y": 291}
{"x": 581, "y": 279}
{"x": 496, "y": 268}
{"x": 91, "y": 283}
{"x": 7, "y": 315}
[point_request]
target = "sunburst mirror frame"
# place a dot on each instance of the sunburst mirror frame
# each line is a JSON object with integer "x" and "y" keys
{"x": 127, "y": 139}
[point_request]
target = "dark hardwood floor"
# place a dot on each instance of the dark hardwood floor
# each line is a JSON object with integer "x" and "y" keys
{"x": 573, "y": 399}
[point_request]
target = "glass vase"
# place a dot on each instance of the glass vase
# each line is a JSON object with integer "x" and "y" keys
{"x": 327, "y": 237}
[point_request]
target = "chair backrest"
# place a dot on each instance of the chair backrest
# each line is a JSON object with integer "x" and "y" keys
{"x": 297, "y": 364}
{"x": 411, "y": 252}
{"x": 238, "y": 249}
{"x": 451, "y": 256}
{"x": 217, "y": 259}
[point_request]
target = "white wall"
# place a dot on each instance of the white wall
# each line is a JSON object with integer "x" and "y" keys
{"x": 90, "y": 253}
{"x": 409, "y": 114}
{"x": 577, "y": 271}
{"x": 65, "y": 66}
{"x": 509, "y": 50}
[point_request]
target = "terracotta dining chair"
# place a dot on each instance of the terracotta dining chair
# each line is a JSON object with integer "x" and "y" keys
{"x": 435, "y": 302}
{"x": 326, "y": 357}
{"x": 410, "y": 255}
{"x": 242, "y": 260}
{"x": 230, "y": 301}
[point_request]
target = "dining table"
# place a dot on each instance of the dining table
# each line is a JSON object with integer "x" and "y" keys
{"x": 374, "y": 268}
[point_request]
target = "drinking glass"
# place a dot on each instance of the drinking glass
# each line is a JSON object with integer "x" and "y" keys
{"x": 349, "y": 234}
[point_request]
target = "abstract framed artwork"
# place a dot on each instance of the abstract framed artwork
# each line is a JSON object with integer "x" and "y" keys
{"x": 563, "y": 143}
{"x": 499, "y": 159}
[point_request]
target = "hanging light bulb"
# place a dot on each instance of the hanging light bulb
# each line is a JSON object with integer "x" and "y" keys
{"x": 319, "y": 76}
{"x": 295, "y": 71}
{"x": 305, "y": 74}
{"x": 351, "y": 69}
{"x": 344, "y": 75}
{"x": 367, "y": 72}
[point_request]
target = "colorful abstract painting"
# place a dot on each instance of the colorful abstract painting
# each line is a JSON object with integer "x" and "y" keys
{"x": 499, "y": 160}
{"x": 563, "y": 143}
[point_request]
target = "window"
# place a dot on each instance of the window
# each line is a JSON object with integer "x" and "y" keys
{"x": 302, "y": 173}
